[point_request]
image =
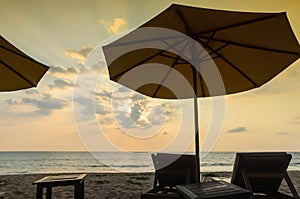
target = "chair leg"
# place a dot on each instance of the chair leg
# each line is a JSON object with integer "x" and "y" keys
{"x": 291, "y": 186}
{"x": 79, "y": 191}
{"x": 248, "y": 184}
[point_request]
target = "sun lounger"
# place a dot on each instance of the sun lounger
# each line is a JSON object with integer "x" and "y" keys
{"x": 171, "y": 170}
{"x": 262, "y": 173}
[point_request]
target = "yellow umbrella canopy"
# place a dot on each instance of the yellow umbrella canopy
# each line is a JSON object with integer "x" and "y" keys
{"x": 17, "y": 70}
{"x": 248, "y": 49}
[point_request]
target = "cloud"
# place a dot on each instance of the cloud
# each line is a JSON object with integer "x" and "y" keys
{"x": 118, "y": 22}
{"x": 296, "y": 120}
{"x": 31, "y": 91}
{"x": 138, "y": 112}
{"x": 87, "y": 105}
{"x": 105, "y": 120}
{"x": 89, "y": 108}
{"x": 103, "y": 95}
{"x": 46, "y": 105}
{"x": 80, "y": 55}
{"x": 115, "y": 26}
{"x": 158, "y": 114}
{"x": 283, "y": 133}
{"x": 237, "y": 130}
{"x": 61, "y": 84}
{"x": 11, "y": 101}
{"x": 101, "y": 109}
{"x": 91, "y": 67}
{"x": 62, "y": 70}
{"x": 124, "y": 89}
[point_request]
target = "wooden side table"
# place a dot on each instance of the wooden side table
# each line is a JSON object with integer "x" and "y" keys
{"x": 77, "y": 180}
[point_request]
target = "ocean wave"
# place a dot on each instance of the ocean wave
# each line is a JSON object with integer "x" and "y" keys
{"x": 216, "y": 164}
{"x": 97, "y": 166}
{"x": 130, "y": 166}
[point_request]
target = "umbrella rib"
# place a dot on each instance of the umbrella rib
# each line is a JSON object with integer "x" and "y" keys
{"x": 172, "y": 66}
{"x": 164, "y": 79}
{"x": 179, "y": 52}
{"x": 26, "y": 57}
{"x": 19, "y": 74}
{"x": 195, "y": 71}
{"x": 143, "y": 41}
{"x": 238, "y": 24}
{"x": 185, "y": 24}
{"x": 232, "y": 65}
{"x": 145, "y": 60}
{"x": 171, "y": 57}
{"x": 214, "y": 51}
{"x": 211, "y": 36}
{"x": 206, "y": 43}
{"x": 195, "y": 35}
{"x": 141, "y": 62}
{"x": 249, "y": 46}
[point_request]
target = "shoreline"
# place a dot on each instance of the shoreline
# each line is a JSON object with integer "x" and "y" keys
{"x": 104, "y": 185}
{"x": 218, "y": 173}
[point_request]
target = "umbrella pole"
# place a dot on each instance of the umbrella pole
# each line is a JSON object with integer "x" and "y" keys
{"x": 196, "y": 122}
{"x": 197, "y": 140}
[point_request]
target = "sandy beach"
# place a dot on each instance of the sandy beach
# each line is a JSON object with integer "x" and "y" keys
{"x": 102, "y": 185}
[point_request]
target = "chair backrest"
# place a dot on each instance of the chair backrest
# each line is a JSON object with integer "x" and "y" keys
{"x": 173, "y": 169}
{"x": 264, "y": 171}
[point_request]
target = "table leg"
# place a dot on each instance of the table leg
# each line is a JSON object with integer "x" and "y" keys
{"x": 79, "y": 190}
{"x": 39, "y": 192}
{"x": 82, "y": 189}
{"x": 49, "y": 193}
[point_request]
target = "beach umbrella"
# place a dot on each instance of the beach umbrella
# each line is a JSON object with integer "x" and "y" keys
{"x": 17, "y": 70}
{"x": 248, "y": 49}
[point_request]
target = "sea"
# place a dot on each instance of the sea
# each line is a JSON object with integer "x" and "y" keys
{"x": 12, "y": 163}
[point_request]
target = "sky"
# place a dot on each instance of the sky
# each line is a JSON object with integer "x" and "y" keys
{"x": 60, "y": 115}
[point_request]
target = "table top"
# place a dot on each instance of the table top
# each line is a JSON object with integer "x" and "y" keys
{"x": 61, "y": 178}
{"x": 210, "y": 190}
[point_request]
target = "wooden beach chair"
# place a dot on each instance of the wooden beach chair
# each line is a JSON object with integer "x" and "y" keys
{"x": 262, "y": 174}
{"x": 171, "y": 170}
